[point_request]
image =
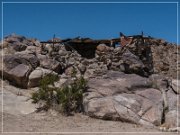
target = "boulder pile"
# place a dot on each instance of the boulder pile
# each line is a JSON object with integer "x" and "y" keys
{"x": 134, "y": 82}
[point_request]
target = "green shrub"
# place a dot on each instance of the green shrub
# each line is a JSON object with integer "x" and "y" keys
{"x": 46, "y": 91}
{"x": 71, "y": 97}
{"x": 48, "y": 80}
{"x": 66, "y": 99}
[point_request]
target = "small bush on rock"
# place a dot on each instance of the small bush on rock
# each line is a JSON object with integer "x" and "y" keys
{"x": 66, "y": 99}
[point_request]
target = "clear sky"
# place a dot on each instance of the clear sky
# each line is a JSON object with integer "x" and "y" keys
{"x": 96, "y": 20}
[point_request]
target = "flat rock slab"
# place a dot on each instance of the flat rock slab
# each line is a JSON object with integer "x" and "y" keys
{"x": 16, "y": 105}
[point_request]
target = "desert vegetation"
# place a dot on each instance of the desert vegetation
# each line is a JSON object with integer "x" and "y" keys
{"x": 66, "y": 99}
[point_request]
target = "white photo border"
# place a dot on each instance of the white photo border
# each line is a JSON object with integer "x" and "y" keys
{"x": 2, "y": 36}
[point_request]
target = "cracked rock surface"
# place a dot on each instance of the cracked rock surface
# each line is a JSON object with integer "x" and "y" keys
{"x": 129, "y": 98}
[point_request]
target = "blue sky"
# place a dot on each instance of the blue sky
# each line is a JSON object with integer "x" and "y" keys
{"x": 96, "y": 21}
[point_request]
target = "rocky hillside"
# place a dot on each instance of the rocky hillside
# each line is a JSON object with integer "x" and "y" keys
{"x": 135, "y": 82}
{"x": 143, "y": 56}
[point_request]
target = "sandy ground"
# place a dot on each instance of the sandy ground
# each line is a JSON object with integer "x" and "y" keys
{"x": 78, "y": 124}
{"x": 45, "y": 122}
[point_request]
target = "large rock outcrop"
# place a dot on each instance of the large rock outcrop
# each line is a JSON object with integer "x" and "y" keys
{"x": 17, "y": 67}
{"x": 130, "y": 98}
{"x": 135, "y": 82}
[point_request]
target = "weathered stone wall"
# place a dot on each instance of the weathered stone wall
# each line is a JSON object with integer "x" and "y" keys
{"x": 157, "y": 55}
{"x": 165, "y": 60}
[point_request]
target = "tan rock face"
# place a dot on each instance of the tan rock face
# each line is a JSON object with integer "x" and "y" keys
{"x": 102, "y": 48}
{"x": 176, "y": 86}
{"x": 51, "y": 64}
{"x": 19, "y": 75}
{"x": 165, "y": 60}
{"x": 114, "y": 98}
{"x": 37, "y": 75}
{"x": 16, "y": 105}
{"x": 17, "y": 67}
{"x": 129, "y": 98}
